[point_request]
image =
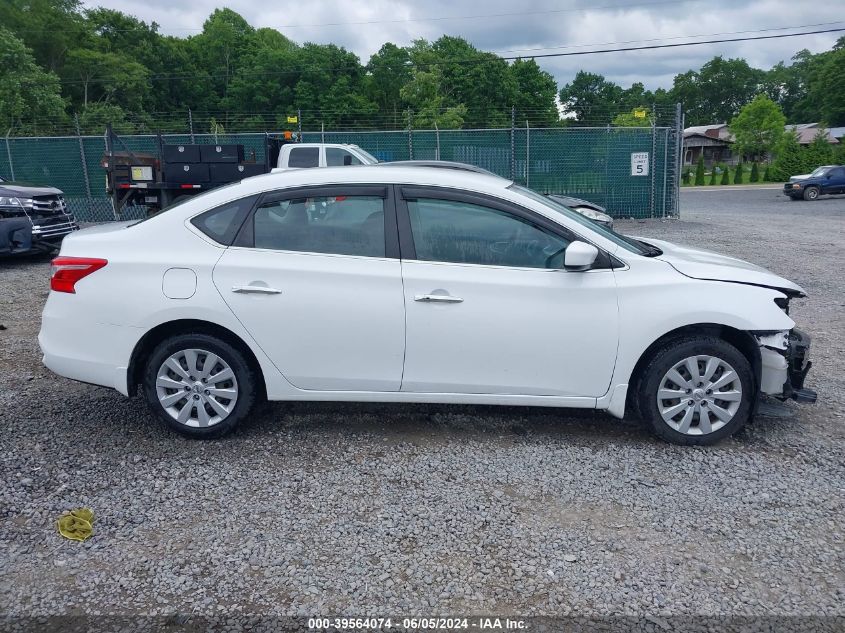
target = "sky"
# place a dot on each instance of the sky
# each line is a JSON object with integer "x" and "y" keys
{"x": 526, "y": 26}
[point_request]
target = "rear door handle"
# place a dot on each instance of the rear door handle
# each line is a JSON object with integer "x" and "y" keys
{"x": 438, "y": 298}
{"x": 261, "y": 290}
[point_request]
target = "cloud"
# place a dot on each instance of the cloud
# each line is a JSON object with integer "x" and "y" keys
{"x": 569, "y": 23}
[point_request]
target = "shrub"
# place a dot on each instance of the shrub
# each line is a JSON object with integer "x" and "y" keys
{"x": 713, "y": 174}
{"x": 738, "y": 173}
{"x": 726, "y": 176}
{"x": 767, "y": 175}
{"x": 699, "y": 171}
{"x": 686, "y": 176}
{"x": 755, "y": 173}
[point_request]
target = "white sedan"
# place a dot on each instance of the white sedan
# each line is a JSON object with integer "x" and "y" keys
{"x": 415, "y": 284}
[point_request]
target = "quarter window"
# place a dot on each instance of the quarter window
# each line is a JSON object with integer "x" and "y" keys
{"x": 341, "y": 225}
{"x": 222, "y": 223}
{"x": 465, "y": 233}
{"x": 304, "y": 157}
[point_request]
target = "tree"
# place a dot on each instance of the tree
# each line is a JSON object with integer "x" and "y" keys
{"x": 758, "y": 127}
{"x": 30, "y": 98}
{"x": 638, "y": 117}
{"x": 387, "y": 71}
{"x": 738, "y": 173}
{"x": 591, "y": 97}
{"x": 832, "y": 85}
{"x": 819, "y": 152}
{"x": 755, "y": 173}
{"x": 534, "y": 99}
{"x": 767, "y": 174}
{"x": 699, "y": 172}
{"x": 718, "y": 90}
{"x": 790, "y": 159}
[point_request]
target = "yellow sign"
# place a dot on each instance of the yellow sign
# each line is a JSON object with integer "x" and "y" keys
{"x": 292, "y": 119}
{"x": 640, "y": 114}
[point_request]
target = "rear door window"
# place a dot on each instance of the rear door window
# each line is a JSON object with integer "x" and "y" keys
{"x": 340, "y": 225}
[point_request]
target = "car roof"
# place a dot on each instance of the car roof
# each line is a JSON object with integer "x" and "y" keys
{"x": 369, "y": 174}
{"x": 442, "y": 164}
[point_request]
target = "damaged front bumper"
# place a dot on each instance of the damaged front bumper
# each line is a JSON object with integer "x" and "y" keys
{"x": 786, "y": 361}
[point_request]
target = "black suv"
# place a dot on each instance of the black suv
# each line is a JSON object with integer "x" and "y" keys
{"x": 824, "y": 180}
{"x": 32, "y": 218}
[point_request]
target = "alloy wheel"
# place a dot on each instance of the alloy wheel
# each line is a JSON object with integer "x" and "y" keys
{"x": 699, "y": 395}
{"x": 196, "y": 388}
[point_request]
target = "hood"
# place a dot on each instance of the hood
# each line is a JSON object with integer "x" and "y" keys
{"x": 26, "y": 190}
{"x": 799, "y": 177}
{"x": 701, "y": 264}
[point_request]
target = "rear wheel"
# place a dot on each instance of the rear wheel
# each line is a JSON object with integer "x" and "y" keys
{"x": 696, "y": 391}
{"x": 811, "y": 193}
{"x": 199, "y": 385}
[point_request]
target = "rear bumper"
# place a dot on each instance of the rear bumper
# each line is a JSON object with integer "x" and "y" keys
{"x": 76, "y": 348}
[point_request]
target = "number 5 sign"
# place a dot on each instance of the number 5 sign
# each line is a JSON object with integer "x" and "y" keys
{"x": 639, "y": 164}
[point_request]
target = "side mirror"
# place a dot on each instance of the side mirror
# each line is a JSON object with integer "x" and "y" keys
{"x": 579, "y": 256}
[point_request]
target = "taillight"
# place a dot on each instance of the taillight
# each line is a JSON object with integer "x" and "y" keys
{"x": 68, "y": 270}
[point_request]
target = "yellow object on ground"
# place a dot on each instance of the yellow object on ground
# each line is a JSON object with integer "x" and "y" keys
{"x": 77, "y": 525}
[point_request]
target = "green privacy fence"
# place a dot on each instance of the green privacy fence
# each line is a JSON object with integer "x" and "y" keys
{"x": 633, "y": 172}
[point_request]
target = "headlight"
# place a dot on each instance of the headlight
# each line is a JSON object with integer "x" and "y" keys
{"x": 24, "y": 203}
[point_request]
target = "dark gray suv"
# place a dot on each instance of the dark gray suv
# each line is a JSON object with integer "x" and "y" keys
{"x": 33, "y": 218}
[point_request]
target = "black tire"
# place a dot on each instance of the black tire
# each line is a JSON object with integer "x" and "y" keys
{"x": 245, "y": 381}
{"x": 811, "y": 193}
{"x": 675, "y": 351}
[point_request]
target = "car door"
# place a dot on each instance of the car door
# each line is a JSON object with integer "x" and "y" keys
{"x": 486, "y": 309}
{"x": 314, "y": 276}
{"x": 835, "y": 181}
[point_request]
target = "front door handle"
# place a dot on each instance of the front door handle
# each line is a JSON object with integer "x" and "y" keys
{"x": 439, "y": 298}
{"x": 261, "y": 290}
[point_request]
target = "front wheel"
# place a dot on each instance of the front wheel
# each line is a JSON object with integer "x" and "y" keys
{"x": 811, "y": 193}
{"x": 199, "y": 385}
{"x": 697, "y": 391}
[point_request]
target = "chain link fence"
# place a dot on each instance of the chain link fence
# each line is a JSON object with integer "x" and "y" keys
{"x": 632, "y": 171}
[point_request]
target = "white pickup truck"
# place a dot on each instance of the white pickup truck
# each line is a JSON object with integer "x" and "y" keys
{"x": 299, "y": 155}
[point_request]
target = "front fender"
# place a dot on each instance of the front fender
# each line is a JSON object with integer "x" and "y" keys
{"x": 651, "y": 309}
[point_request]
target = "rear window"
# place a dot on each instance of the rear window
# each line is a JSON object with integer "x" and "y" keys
{"x": 304, "y": 157}
{"x": 222, "y": 223}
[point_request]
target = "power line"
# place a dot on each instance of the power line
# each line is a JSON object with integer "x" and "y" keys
{"x": 675, "y": 37}
{"x": 656, "y": 46}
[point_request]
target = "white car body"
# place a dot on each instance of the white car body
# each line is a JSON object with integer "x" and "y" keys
{"x": 321, "y": 155}
{"x": 353, "y": 328}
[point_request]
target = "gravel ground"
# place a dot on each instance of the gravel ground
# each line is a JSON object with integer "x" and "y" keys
{"x": 315, "y": 509}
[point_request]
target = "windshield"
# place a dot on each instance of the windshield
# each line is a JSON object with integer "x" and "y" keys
{"x": 628, "y": 243}
{"x": 366, "y": 154}
{"x": 820, "y": 171}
